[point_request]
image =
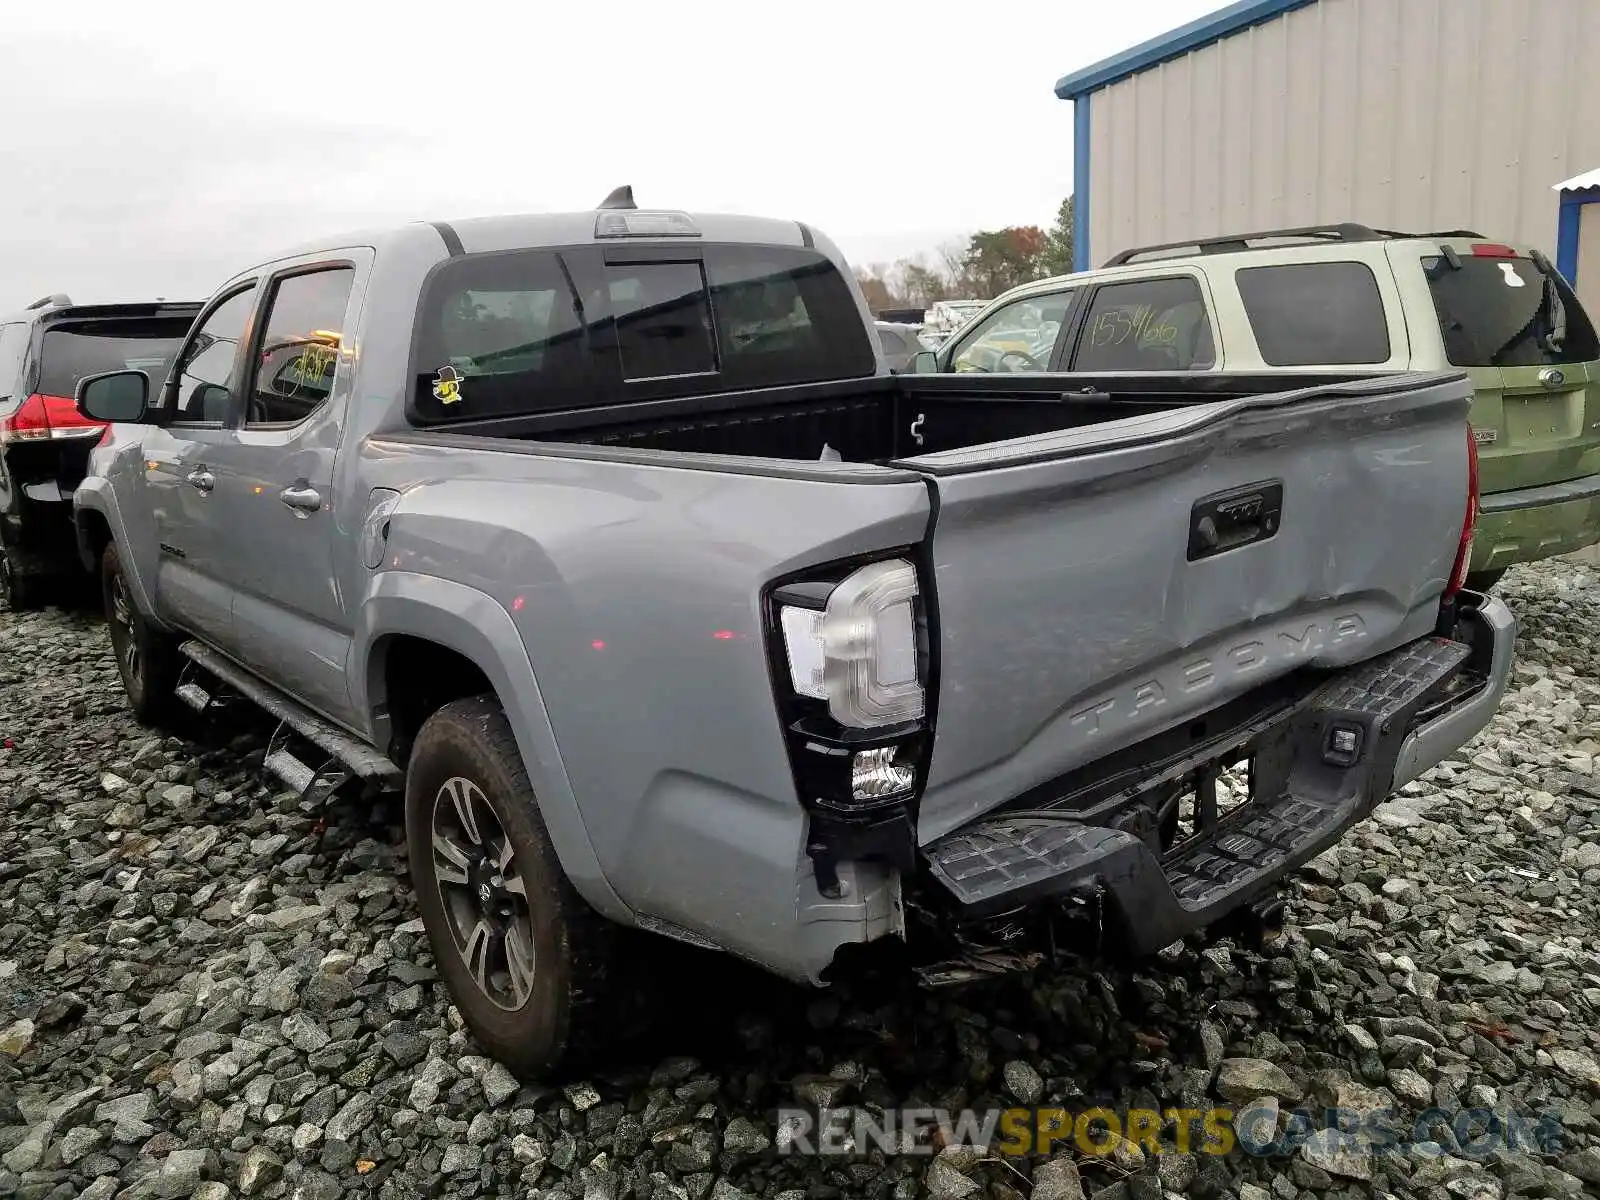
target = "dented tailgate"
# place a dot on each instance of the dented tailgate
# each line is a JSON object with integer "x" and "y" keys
{"x": 1097, "y": 586}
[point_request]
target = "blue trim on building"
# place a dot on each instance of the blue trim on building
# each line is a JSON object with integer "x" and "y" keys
{"x": 1080, "y": 183}
{"x": 1169, "y": 45}
{"x": 1568, "y": 227}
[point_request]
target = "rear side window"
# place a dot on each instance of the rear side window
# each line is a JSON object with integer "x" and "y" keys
{"x": 1146, "y": 325}
{"x": 534, "y": 330}
{"x": 1315, "y": 314}
{"x": 74, "y": 350}
{"x": 299, "y": 347}
{"x": 1506, "y": 312}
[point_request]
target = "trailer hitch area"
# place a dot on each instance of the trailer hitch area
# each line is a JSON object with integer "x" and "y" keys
{"x": 1255, "y": 926}
{"x": 1019, "y": 943}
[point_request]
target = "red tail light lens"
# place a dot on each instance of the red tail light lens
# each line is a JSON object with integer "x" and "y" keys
{"x": 1492, "y": 250}
{"x": 47, "y": 417}
{"x": 1458, "y": 574}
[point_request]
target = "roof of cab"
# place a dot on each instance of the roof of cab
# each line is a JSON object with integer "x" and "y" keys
{"x": 486, "y": 234}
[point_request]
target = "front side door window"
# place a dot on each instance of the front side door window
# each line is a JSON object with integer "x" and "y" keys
{"x": 203, "y": 374}
{"x": 1019, "y": 337}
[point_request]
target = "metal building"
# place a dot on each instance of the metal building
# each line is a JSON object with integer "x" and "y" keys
{"x": 1578, "y": 235}
{"x": 1399, "y": 114}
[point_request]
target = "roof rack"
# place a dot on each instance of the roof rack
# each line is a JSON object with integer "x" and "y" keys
{"x": 1347, "y": 231}
{"x": 1436, "y": 233}
{"x": 1233, "y": 243}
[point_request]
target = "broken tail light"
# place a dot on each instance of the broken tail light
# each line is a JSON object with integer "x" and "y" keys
{"x": 851, "y": 660}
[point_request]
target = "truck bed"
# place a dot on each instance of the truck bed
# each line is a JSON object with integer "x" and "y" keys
{"x": 890, "y": 418}
{"x": 1110, "y": 558}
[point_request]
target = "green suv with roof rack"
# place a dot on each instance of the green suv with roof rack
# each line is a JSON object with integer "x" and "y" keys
{"x": 1350, "y": 300}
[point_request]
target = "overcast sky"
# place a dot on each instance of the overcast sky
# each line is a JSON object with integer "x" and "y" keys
{"x": 151, "y": 148}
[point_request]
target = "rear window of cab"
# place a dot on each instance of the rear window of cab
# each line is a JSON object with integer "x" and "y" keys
{"x": 530, "y": 331}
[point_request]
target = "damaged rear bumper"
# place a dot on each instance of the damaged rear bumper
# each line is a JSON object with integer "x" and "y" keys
{"x": 1317, "y": 766}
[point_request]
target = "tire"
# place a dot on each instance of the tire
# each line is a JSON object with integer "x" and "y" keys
{"x": 1482, "y": 581}
{"x": 21, "y": 591}
{"x": 472, "y": 821}
{"x": 147, "y": 659}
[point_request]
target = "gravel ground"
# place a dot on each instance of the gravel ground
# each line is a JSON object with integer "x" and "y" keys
{"x": 206, "y": 991}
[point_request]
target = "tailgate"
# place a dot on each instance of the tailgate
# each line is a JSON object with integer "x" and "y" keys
{"x": 1097, "y": 586}
{"x": 1545, "y": 423}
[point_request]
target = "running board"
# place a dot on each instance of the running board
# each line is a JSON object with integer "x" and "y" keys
{"x": 294, "y": 774}
{"x": 361, "y": 760}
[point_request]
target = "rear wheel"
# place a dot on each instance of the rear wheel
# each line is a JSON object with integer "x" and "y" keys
{"x": 147, "y": 659}
{"x": 1482, "y": 581}
{"x": 529, "y": 964}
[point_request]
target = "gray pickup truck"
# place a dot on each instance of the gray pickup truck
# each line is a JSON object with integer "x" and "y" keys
{"x": 609, "y": 537}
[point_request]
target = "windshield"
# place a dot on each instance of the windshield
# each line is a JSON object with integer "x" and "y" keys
{"x": 72, "y": 352}
{"x": 1506, "y": 312}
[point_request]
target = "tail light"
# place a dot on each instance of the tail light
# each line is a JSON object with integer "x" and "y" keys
{"x": 1458, "y": 574}
{"x": 852, "y": 664}
{"x": 1492, "y": 250}
{"x": 42, "y": 417}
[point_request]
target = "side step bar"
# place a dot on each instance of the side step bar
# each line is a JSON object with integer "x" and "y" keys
{"x": 359, "y": 759}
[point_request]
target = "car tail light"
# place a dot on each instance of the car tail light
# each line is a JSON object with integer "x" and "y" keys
{"x": 852, "y": 662}
{"x": 1492, "y": 250}
{"x": 42, "y": 417}
{"x": 859, "y": 653}
{"x": 1458, "y": 573}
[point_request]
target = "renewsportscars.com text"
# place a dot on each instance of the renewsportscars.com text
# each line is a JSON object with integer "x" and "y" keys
{"x": 1259, "y": 1131}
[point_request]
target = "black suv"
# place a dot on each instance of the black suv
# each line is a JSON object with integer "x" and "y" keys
{"x": 44, "y": 443}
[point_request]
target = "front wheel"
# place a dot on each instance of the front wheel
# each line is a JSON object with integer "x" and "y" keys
{"x": 146, "y": 658}
{"x": 527, "y": 961}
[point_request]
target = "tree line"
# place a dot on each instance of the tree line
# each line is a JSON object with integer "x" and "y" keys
{"x": 980, "y": 268}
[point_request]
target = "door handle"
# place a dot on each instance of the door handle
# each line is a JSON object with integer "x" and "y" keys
{"x": 303, "y": 500}
{"x": 201, "y": 480}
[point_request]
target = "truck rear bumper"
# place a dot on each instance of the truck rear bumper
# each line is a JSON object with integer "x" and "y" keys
{"x": 1316, "y": 769}
{"x": 1532, "y": 524}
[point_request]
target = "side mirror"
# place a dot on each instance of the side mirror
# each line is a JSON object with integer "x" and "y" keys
{"x": 924, "y": 362}
{"x": 117, "y": 396}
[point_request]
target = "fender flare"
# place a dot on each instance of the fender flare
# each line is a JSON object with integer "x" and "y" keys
{"x": 476, "y": 626}
{"x": 95, "y": 494}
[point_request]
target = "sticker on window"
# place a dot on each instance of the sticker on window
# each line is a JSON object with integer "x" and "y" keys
{"x": 1512, "y": 278}
{"x": 447, "y": 385}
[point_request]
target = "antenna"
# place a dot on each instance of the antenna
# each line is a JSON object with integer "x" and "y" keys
{"x": 621, "y": 197}
{"x": 59, "y": 300}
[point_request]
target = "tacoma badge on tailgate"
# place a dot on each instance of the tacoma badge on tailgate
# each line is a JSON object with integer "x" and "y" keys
{"x": 1227, "y": 520}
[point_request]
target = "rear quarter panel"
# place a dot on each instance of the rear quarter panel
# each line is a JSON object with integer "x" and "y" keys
{"x": 636, "y": 592}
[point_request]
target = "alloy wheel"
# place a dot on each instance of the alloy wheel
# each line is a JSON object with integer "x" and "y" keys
{"x": 124, "y": 641}
{"x": 483, "y": 894}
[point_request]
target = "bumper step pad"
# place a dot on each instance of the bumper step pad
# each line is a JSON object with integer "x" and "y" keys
{"x": 1304, "y": 802}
